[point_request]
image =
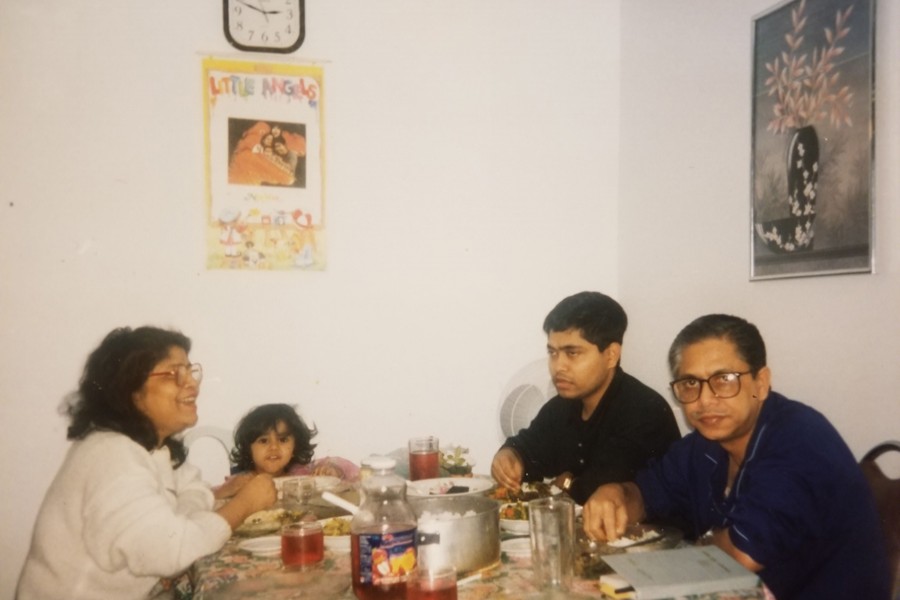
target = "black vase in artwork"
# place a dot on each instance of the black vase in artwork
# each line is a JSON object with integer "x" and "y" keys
{"x": 795, "y": 233}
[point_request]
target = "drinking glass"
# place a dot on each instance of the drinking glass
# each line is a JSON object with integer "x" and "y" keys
{"x": 298, "y": 490}
{"x": 427, "y": 583}
{"x": 424, "y": 460}
{"x": 302, "y": 544}
{"x": 552, "y": 522}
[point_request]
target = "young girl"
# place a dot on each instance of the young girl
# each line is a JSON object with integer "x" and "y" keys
{"x": 273, "y": 439}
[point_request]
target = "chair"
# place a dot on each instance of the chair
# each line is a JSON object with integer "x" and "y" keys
{"x": 209, "y": 449}
{"x": 887, "y": 498}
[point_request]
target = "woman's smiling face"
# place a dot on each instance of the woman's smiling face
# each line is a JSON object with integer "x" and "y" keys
{"x": 273, "y": 450}
{"x": 171, "y": 408}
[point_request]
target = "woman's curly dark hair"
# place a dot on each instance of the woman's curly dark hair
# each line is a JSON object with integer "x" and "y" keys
{"x": 117, "y": 369}
{"x": 262, "y": 419}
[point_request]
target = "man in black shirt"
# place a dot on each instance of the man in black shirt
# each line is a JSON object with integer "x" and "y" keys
{"x": 604, "y": 425}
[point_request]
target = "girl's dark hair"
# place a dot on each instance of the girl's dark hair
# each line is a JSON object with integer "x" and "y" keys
{"x": 113, "y": 373}
{"x": 744, "y": 335}
{"x": 259, "y": 422}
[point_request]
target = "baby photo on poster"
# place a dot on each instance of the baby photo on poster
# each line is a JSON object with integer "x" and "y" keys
{"x": 266, "y": 153}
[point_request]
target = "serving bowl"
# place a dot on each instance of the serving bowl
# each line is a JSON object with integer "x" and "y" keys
{"x": 514, "y": 518}
{"x": 335, "y": 538}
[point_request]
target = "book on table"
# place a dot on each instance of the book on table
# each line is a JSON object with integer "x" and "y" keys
{"x": 679, "y": 572}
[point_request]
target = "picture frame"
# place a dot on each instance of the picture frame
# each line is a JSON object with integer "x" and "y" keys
{"x": 813, "y": 135}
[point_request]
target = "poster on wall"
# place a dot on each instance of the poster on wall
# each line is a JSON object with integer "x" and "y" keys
{"x": 265, "y": 189}
{"x": 813, "y": 139}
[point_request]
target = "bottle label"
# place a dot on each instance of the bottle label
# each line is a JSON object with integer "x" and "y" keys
{"x": 386, "y": 558}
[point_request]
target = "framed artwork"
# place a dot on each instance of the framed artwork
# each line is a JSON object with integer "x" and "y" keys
{"x": 811, "y": 208}
{"x": 264, "y": 165}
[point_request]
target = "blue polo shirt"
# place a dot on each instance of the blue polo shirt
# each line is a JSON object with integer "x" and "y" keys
{"x": 800, "y": 504}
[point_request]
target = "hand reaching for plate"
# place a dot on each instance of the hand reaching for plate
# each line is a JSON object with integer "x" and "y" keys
{"x": 232, "y": 485}
{"x": 507, "y": 469}
{"x": 257, "y": 494}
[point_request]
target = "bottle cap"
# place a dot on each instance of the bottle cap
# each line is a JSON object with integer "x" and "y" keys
{"x": 380, "y": 463}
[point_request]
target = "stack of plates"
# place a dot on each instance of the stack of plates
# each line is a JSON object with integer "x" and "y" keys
{"x": 517, "y": 547}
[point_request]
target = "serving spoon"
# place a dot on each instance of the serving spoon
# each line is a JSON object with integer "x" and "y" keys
{"x": 340, "y": 502}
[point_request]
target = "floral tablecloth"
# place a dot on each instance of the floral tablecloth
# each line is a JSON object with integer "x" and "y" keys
{"x": 235, "y": 574}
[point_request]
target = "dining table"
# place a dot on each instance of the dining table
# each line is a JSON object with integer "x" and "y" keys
{"x": 233, "y": 574}
{"x": 236, "y": 574}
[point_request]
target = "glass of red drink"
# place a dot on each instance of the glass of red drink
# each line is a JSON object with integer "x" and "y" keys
{"x": 302, "y": 544}
{"x": 426, "y": 583}
{"x": 424, "y": 459}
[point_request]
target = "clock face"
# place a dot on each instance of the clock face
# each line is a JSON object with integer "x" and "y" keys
{"x": 264, "y": 25}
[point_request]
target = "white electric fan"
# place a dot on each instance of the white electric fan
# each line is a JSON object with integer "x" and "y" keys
{"x": 525, "y": 394}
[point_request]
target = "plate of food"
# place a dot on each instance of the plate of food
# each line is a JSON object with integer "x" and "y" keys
{"x": 337, "y": 533}
{"x": 641, "y": 537}
{"x": 514, "y": 518}
{"x": 528, "y": 491}
{"x": 450, "y": 486}
{"x": 266, "y": 521}
{"x": 269, "y": 545}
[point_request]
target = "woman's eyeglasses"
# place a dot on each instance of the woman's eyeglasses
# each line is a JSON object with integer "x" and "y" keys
{"x": 181, "y": 372}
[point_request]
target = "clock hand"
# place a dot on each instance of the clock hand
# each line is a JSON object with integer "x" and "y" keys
{"x": 266, "y": 13}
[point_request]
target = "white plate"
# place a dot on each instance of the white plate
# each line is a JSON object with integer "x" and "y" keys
{"x": 440, "y": 485}
{"x": 269, "y": 545}
{"x": 264, "y": 521}
{"x": 337, "y": 543}
{"x": 517, "y": 547}
{"x": 516, "y": 526}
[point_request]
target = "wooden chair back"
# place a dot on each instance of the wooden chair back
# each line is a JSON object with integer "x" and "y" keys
{"x": 887, "y": 498}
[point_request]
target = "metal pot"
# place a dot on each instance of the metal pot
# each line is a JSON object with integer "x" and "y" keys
{"x": 447, "y": 535}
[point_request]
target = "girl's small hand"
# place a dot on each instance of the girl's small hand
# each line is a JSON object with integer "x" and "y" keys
{"x": 258, "y": 493}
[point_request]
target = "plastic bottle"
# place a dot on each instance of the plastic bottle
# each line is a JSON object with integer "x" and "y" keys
{"x": 382, "y": 535}
{"x": 365, "y": 468}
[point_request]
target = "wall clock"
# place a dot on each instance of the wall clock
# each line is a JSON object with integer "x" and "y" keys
{"x": 264, "y": 25}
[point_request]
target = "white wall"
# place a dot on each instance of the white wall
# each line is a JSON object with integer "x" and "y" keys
{"x": 476, "y": 173}
{"x": 472, "y": 178}
{"x": 834, "y": 342}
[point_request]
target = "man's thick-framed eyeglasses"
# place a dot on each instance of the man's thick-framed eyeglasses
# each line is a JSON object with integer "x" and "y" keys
{"x": 722, "y": 385}
{"x": 181, "y": 372}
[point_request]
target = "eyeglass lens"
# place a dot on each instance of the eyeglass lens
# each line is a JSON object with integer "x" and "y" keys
{"x": 194, "y": 369}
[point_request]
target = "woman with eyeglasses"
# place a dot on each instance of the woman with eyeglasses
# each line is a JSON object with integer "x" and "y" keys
{"x": 125, "y": 509}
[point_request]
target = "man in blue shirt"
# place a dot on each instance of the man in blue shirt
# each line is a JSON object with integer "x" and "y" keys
{"x": 767, "y": 479}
